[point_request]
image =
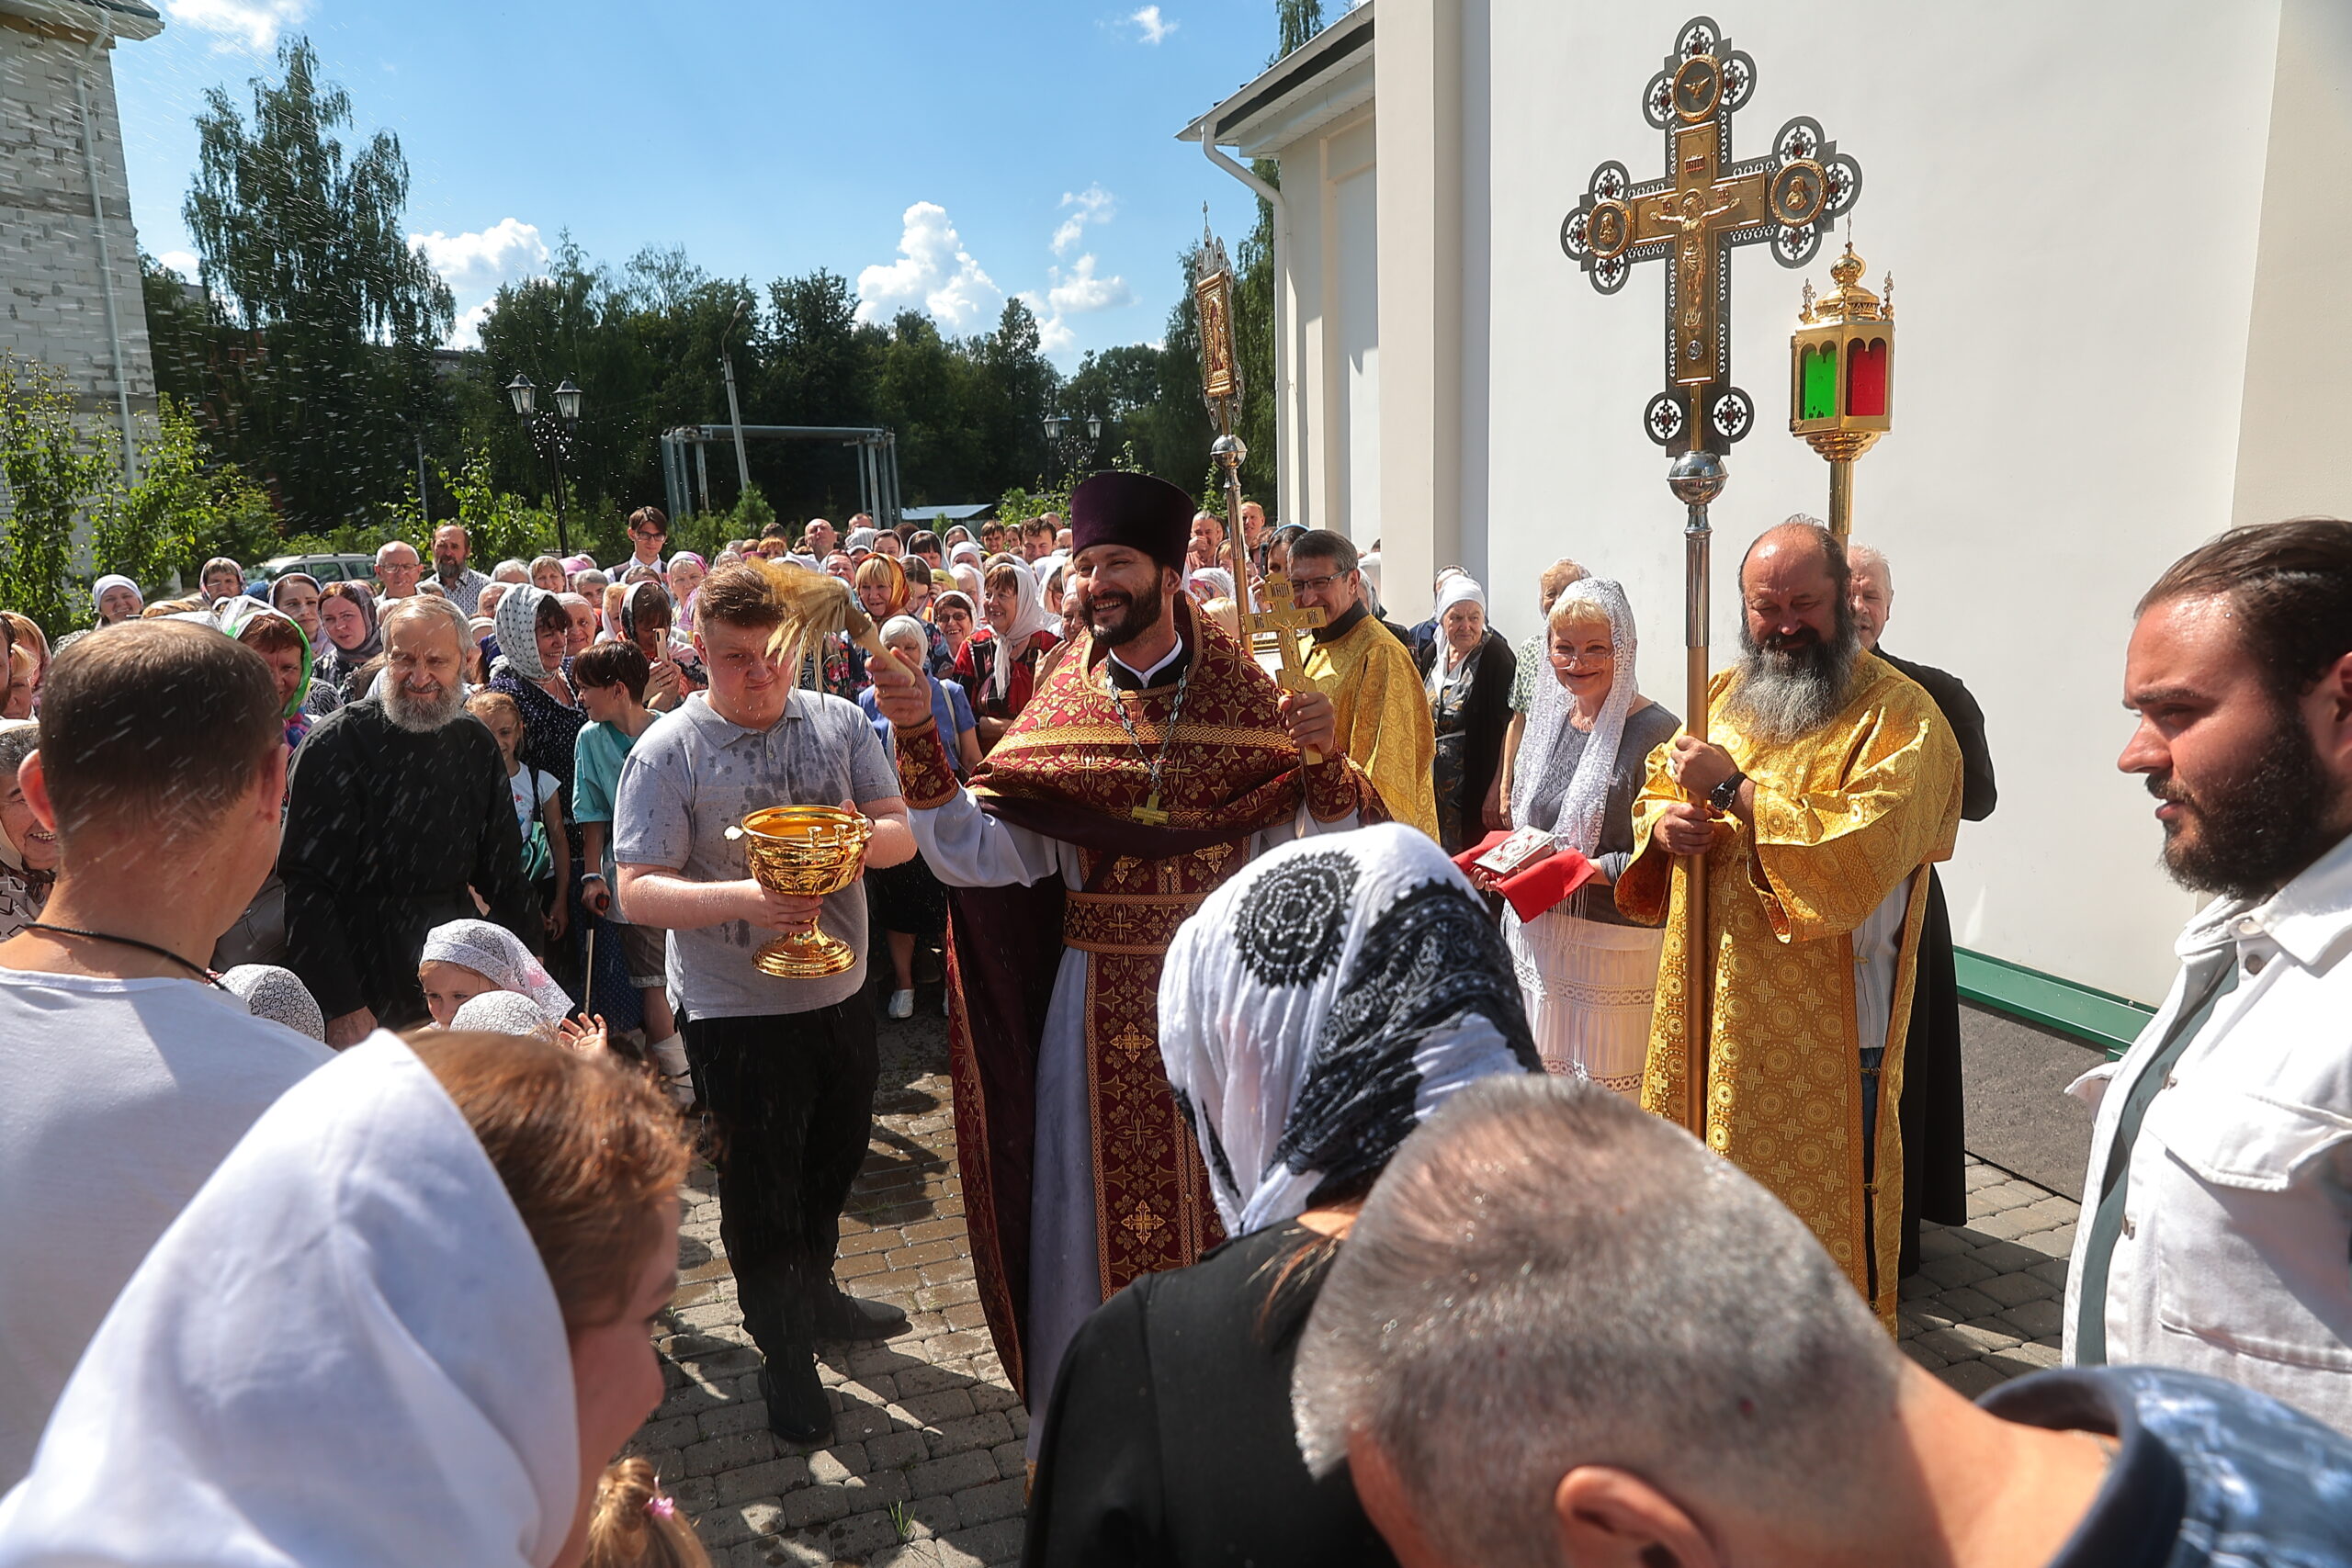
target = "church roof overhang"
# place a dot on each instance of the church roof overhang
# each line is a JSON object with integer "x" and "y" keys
{"x": 90, "y": 18}
{"x": 1327, "y": 77}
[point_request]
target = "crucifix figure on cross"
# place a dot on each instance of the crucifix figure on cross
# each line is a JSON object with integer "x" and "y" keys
{"x": 1702, "y": 206}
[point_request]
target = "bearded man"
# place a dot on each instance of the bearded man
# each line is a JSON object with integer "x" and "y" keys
{"x": 1152, "y": 765}
{"x": 398, "y": 812}
{"x": 1828, "y": 786}
{"x": 462, "y": 583}
{"x": 2217, "y": 1211}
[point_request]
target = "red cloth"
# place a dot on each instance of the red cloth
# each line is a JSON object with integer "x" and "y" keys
{"x": 1541, "y": 886}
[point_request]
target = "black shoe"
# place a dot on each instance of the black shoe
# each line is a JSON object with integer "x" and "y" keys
{"x": 796, "y": 1408}
{"x": 851, "y": 1318}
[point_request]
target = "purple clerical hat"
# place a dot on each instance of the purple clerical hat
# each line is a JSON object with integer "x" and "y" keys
{"x": 1135, "y": 509}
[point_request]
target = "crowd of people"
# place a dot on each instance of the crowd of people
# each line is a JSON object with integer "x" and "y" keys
{"x": 1328, "y": 1060}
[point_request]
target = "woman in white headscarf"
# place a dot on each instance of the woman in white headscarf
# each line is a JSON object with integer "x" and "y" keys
{"x": 1467, "y": 667}
{"x": 388, "y": 1331}
{"x": 1588, "y": 972}
{"x": 998, "y": 668}
{"x": 1313, "y": 1012}
{"x": 116, "y": 598}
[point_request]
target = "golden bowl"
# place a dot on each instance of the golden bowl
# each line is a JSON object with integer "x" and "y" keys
{"x": 812, "y": 850}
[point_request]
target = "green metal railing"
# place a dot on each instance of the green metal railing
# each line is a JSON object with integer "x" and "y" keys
{"x": 2095, "y": 1017}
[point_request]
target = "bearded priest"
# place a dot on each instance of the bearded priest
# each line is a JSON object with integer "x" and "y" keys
{"x": 1832, "y": 786}
{"x": 1150, "y": 767}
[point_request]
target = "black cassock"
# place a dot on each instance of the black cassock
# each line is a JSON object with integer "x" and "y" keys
{"x": 1168, "y": 1442}
{"x": 1935, "y": 1181}
{"x": 386, "y": 830}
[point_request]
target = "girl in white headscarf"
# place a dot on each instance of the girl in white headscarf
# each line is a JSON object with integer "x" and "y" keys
{"x": 463, "y": 959}
{"x": 1316, "y": 1009}
{"x": 1588, "y": 972}
{"x": 386, "y": 1332}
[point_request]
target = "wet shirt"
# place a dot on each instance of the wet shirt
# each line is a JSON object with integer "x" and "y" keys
{"x": 693, "y": 776}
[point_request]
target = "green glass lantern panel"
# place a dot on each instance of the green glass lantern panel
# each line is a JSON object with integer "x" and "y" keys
{"x": 1818, "y": 364}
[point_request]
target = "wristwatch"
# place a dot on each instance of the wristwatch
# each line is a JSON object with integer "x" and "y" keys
{"x": 1724, "y": 794}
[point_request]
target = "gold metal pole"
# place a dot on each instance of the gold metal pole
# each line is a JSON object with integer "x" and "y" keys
{"x": 1841, "y": 498}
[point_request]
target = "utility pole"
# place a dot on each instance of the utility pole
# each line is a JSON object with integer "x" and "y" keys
{"x": 424, "y": 506}
{"x": 734, "y": 409}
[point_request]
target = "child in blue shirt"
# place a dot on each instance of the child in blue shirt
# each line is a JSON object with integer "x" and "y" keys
{"x": 610, "y": 678}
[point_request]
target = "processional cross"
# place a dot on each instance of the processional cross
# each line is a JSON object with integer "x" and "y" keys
{"x": 1221, "y": 388}
{"x": 1704, "y": 205}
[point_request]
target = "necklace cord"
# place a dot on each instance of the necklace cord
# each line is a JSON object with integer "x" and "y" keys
{"x": 196, "y": 969}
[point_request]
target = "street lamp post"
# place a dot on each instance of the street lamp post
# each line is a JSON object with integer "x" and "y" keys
{"x": 552, "y": 434}
{"x": 1068, "y": 445}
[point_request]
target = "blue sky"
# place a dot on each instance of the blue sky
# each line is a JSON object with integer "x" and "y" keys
{"x": 941, "y": 155}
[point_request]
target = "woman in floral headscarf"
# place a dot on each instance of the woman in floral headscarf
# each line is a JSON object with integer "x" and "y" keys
{"x": 1313, "y": 1010}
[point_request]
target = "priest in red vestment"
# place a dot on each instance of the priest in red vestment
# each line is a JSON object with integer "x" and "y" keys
{"x": 1149, "y": 767}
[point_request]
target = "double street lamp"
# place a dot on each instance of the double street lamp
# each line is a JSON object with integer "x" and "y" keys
{"x": 1062, "y": 436}
{"x": 552, "y": 434}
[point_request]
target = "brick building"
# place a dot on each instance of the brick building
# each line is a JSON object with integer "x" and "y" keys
{"x": 69, "y": 255}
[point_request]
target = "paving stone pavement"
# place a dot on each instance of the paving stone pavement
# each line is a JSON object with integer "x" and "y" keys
{"x": 926, "y": 1468}
{"x": 1986, "y": 1305}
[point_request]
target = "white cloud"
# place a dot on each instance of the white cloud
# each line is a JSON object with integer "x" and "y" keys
{"x": 475, "y": 264}
{"x": 238, "y": 24}
{"x": 185, "y": 262}
{"x": 934, "y": 274}
{"x": 1094, "y": 205}
{"x": 1150, "y": 26}
{"x": 1081, "y": 290}
{"x": 1053, "y": 335}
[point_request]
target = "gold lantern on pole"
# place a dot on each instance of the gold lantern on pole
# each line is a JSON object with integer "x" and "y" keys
{"x": 1841, "y": 378}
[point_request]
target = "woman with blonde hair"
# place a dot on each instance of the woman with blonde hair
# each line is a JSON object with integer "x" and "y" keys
{"x": 1589, "y": 974}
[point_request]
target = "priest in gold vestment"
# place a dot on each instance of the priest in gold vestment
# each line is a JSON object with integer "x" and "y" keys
{"x": 1150, "y": 766}
{"x": 1377, "y": 700}
{"x": 1831, "y": 785}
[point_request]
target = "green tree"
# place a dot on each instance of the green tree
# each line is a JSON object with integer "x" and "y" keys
{"x": 304, "y": 250}
{"x": 51, "y": 471}
{"x": 187, "y": 507}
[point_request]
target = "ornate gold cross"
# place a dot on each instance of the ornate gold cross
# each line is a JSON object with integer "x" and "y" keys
{"x": 1704, "y": 206}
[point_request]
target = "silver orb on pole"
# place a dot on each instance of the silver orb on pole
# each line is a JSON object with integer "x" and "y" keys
{"x": 1696, "y": 477}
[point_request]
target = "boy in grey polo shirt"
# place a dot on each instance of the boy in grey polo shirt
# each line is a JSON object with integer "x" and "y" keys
{"x": 786, "y": 1068}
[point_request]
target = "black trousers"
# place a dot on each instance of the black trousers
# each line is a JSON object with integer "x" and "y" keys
{"x": 791, "y": 1097}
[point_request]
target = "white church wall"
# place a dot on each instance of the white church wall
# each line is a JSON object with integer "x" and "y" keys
{"x": 2069, "y": 198}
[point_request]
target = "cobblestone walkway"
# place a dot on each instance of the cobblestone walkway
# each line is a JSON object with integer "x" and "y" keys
{"x": 926, "y": 1468}
{"x": 1984, "y": 1306}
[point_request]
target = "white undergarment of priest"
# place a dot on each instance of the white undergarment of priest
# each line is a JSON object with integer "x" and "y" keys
{"x": 1153, "y": 763}
{"x": 1831, "y": 786}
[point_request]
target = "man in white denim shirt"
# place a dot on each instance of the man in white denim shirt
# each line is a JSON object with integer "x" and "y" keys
{"x": 2218, "y": 1227}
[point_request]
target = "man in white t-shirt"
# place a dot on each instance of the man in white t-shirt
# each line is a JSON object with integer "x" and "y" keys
{"x": 129, "y": 1073}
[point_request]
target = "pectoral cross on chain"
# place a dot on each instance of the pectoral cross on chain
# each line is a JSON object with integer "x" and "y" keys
{"x": 1704, "y": 206}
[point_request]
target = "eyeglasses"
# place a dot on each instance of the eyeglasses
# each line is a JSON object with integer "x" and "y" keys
{"x": 1590, "y": 661}
{"x": 1316, "y": 584}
